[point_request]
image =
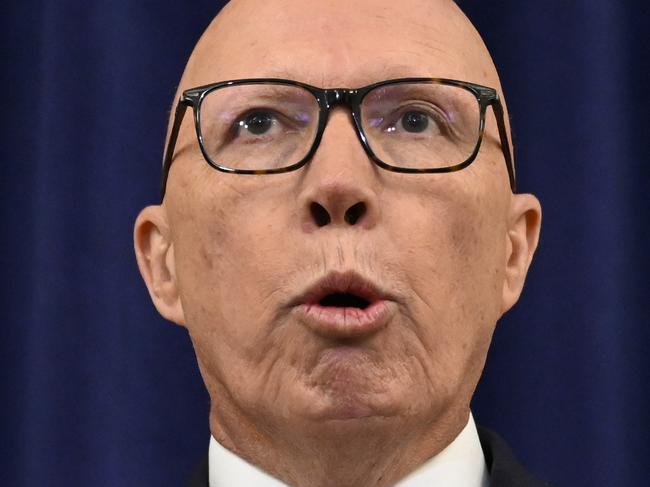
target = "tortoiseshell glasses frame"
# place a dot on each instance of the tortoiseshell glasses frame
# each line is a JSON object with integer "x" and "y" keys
{"x": 352, "y": 99}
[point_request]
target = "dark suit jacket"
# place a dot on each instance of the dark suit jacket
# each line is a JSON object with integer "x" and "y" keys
{"x": 504, "y": 469}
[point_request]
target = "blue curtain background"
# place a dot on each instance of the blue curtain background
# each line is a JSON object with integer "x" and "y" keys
{"x": 98, "y": 390}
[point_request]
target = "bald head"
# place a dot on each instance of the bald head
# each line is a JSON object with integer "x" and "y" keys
{"x": 341, "y": 313}
{"x": 340, "y": 43}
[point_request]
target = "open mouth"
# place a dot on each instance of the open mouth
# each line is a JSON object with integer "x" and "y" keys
{"x": 344, "y": 305}
{"x": 344, "y": 300}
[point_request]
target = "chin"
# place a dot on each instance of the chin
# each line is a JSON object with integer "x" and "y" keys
{"x": 350, "y": 383}
{"x": 348, "y": 405}
{"x": 344, "y": 409}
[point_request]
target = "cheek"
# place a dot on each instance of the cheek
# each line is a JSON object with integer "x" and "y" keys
{"x": 454, "y": 265}
{"x": 452, "y": 245}
{"x": 231, "y": 258}
{"x": 228, "y": 266}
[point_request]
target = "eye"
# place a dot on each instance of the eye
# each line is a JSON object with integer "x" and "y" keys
{"x": 257, "y": 123}
{"x": 415, "y": 121}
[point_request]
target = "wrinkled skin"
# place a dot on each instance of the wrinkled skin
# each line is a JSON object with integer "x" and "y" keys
{"x": 224, "y": 254}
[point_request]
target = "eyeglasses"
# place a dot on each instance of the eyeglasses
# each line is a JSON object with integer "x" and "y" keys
{"x": 407, "y": 125}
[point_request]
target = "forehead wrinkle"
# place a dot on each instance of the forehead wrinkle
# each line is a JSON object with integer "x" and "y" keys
{"x": 356, "y": 76}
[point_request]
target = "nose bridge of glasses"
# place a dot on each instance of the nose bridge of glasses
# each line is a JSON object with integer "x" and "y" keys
{"x": 350, "y": 99}
{"x": 341, "y": 96}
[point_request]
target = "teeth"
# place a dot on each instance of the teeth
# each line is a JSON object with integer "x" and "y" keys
{"x": 344, "y": 300}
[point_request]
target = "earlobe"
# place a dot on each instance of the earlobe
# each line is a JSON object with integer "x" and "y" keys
{"x": 154, "y": 252}
{"x": 524, "y": 223}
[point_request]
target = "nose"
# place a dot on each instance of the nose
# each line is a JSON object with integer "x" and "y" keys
{"x": 339, "y": 186}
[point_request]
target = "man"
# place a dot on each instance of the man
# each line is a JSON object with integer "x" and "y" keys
{"x": 340, "y": 241}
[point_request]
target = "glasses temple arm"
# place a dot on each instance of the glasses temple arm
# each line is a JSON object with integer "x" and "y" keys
{"x": 181, "y": 107}
{"x": 505, "y": 144}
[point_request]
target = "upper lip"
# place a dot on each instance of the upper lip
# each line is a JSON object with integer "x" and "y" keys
{"x": 348, "y": 282}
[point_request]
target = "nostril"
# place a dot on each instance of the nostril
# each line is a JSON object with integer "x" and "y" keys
{"x": 355, "y": 212}
{"x": 319, "y": 214}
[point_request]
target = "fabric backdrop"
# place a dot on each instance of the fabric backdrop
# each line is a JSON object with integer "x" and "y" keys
{"x": 98, "y": 390}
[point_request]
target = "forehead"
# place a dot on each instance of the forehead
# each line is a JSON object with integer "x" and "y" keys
{"x": 338, "y": 43}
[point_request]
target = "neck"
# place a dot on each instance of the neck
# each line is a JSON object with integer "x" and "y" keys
{"x": 373, "y": 451}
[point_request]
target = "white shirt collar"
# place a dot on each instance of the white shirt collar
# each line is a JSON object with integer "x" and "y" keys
{"x": 461, "y": 463}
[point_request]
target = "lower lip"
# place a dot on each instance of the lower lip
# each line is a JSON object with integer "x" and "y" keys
{"x": 335, "y": 322}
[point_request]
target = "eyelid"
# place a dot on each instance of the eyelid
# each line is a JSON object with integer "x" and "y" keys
{"x": 234, "y": 130}
{"x": 428, "y": 108}
{"x": 280, "y": 117}
{"x": 434, "y": 112}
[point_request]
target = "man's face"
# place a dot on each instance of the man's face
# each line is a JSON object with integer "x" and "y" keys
{"x": 245, "y": 249}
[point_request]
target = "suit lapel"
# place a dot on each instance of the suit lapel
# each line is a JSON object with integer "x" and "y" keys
{"x": 505, "y": 470}
{"x": 199, "y": 477}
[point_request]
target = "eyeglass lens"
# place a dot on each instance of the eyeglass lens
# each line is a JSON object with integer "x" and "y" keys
{"x": 271, "y": 126}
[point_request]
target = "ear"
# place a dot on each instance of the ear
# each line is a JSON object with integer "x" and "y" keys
{"x": 154, "y": 251}
{"x": 524, "y": 223}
